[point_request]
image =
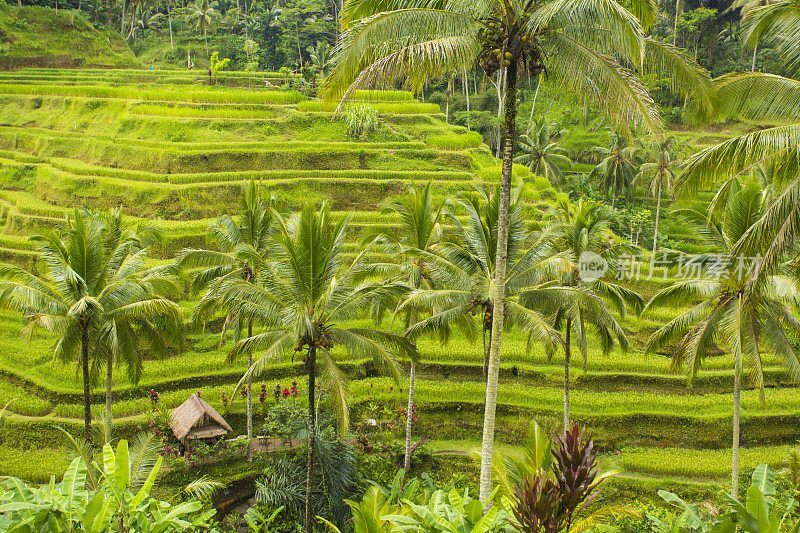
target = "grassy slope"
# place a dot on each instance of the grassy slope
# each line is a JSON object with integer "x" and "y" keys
{"x": 37, "y": 37}
{"x": 182, "y": 161}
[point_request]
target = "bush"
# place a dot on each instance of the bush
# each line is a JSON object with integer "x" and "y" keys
{"x": 361, "y": 121}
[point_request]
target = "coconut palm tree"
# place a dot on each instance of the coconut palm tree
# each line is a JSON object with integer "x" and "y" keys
{"x": 241, "y": 250}
{"x": 204, "y": 15}
{"x": 97, "y": 296}
{"x": 321, "y": 57}
{"x": 542, "y": 154}
{"x": 575, "y": 231}
{"x": 737, "y": 312}
{"x": 420, "y": 228}
{"x": 145, "y": 19}
{"x": 658, "y": 169}
{"x": 302, "y": 298}
{"x": 582, "y": 45}
{"x": 463, "y": 272}
{"x": 616, "y": 170}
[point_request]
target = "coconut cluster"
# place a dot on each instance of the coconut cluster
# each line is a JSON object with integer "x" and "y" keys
{"x": 501, "y": 47}
{"x": 321, "y": 338}
{"x": 488, "y": 310}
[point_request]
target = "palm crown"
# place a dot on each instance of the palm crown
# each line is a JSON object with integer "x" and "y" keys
{"x": 463, "y": 270}
{"x": 765, "y": 97}
{"x": 98, "y": 296}
{"x": 725, "y": 316}
{"x": 542, "y": 154}
{"x": 582, "y": 46}
{"x": 242, "y": 249}
{"x": 616, "y": 170}
{"x": 305, "y": 293}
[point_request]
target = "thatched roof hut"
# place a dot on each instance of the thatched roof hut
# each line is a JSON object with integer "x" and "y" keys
{"x": 195, "y": 419}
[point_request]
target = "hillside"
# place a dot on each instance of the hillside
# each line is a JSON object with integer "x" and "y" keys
{"x": 175, "y": 152}
{"x": 38, "y": 37}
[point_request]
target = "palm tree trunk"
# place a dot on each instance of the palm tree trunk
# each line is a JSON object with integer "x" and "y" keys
{"x": 500, "y": 101}
{"x": 249, "y": 396}
{"x": 675, "y": 26}
{"x": 755, "y": 50}
{"x": 658, "y": 215}
{"x": 447, "y": 105}
{"x": 412, "y": 376}
{"x": 466, "y": 94}
{"x": 169, "y": 16}
{"x": 205, "y": 36}
{"x": 311, "y": 368}
{"x": 499, "y": 295}
{"x": 246, "y": 12}
{"x": 567, "y": 355}
{"x": 485, "y": 355}
{"x": 122, "y": 19}
{"x": 109, "y": 384}
{"x": 737, "y": 390}
{"x": 533, "y": 106}
{"x": 87, "y": 400}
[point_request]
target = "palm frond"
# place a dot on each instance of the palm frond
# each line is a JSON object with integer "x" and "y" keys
{"x": 614, "y": 89}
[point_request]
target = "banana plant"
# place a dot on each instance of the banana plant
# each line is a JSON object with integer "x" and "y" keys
{"x": 371, "y": 515}
{"x": 121, "y": 502}
{"x": 451, "y": 513}
{"x": 758, "y": 513}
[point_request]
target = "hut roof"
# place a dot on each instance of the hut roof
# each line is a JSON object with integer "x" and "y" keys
{"x": 186, "y": 417}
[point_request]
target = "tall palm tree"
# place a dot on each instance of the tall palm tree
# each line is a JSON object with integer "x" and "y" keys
{"x": 616, "y": 170}
{"x": 242, "y": 248}
{"x": 302, "y": 298}
{"x": 736, "y": 311}
{"x": 658, "y": 169}
{"x": 97, "y": 296}
{"x": 582, "y": 45}
{"x": 204, "y": 15}
{"x": 464, "y": 272}
{"x": 542, "y": 154}
{"x": 574, "y": 232}
{"x": 420, "y": 228}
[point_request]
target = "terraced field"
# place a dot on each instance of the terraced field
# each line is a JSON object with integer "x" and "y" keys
{"x": 172, "y": 151}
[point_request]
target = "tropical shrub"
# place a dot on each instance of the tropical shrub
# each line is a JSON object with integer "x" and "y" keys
{"x": 116, "y": 498}
{"x": 762, "y": 511}
{"x": 284, "y": 483}
{"x": 361, "y": 121}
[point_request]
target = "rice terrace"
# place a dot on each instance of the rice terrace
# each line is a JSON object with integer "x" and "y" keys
{"x": 377, "y": 266}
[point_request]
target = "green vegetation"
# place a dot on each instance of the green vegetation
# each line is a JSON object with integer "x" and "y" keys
{"x": 220, "y": 224}
{"x": 34, "y": 36}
